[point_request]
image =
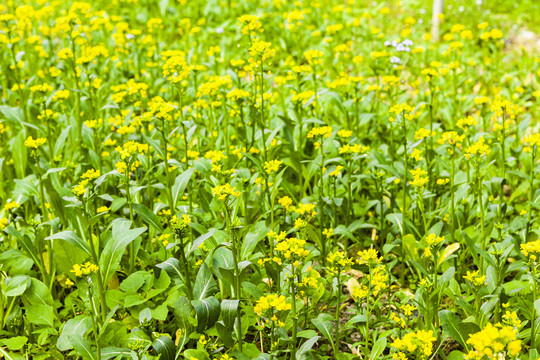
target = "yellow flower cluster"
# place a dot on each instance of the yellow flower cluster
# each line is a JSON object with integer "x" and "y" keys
{"x": 369, "y": 257}
{"x": 531, "y": 249}
{"x": 419, "y": 178}
{"x": 272, "y": 302}
{"x": 293, "y": 248}
{"x": 423, "y": 133}
{"x": 493, "y": 341}
{"x": 321, "y": 131}
{"x": 131, "y": 147}
{"x": 305, "y": 209}
{"x": 272, "y": 166}
{"x": 451, "y": 138}
{"x": 178, "y": 225}
{"x": 84, "y": 269}
{"x": 11, "y": 205}
{"x": 339, "y": 259}
{"x": 419, "y": 343}
{"x": 530, "y": 142}
{"x": 222, "y": 192}
{"x": 353, "y": 149}
{"x": 478, "y": 149}
{"x": 475, "y": 278}
{"x": 34, "y": 143}
{"x": 250, "y": 24}
{"x": 89, "y": 175}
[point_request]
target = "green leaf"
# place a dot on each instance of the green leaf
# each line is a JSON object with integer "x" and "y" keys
{"x": 172, "y": 268}
{"x": 378, "y": 348}
{"x": 122, "y": 236}
{"x": 306, "y": 347}
{"x": 252, "y": 239}
{"x": 225, "y": 334}
{"x": 205, "y": 285}
{"x": 82, "y": 347}
{"x": 450, "y": 323}
{"x": 40, "y": 314}
{"x": 112, "y": 352}
{"x": 180, "y": 184}
{"x": 13, "y": 114}
{"x": 207, "y": 312}
{"x": 38, "y": 294}
{"x": 73, "y": 239}
{"x": 229, "y": 312}
{"x": 449, "y": 250}
{"x": 79, "y": 325}
{"x": 323, "y": 323}
{"x": 197, "y": 354}
{"x": 59, "y": 145}
{"x": 17, "y": 285}
{"x": 456, "y": 355}
{"x": 148, "y": 216}
{"x": 19, "y": 152}
{"x": 182, "y": 315}
{"x": 164, "y": 347}
{"x": 14, "y": 343}
{"x": 199, "y": 241}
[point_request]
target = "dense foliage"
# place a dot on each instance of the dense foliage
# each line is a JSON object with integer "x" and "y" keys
{"x": 267, "y": 180}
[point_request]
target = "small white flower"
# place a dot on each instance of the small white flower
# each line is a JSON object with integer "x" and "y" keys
{"x": 219, "y": 30}
{"x": 395, "y": 60}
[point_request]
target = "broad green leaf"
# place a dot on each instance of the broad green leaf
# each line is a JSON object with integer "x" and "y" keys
{"x": 306, "y": 347}
{"x": 148, "y": 216}
{"x": 225, "y": 334}
{"x": 79, "y": 325}
{"x": 164, "y": 347}
{"x": 229, "y": 312}
{"x": 113, "y": 352}
{"x": 73, "y": 239}
{"x": 378, "y": 348}
{"x": 59, "y": 145}
{"x": 82, "y": 347}
{"x": 40, "y": 314}
{"x": 122, "y": 236}
{"x": 450, "y": 323}
{"x": 199, "y": 241}
{"x": 38, "y": 294}
{"x": 205, "y": 285}
{"x": 180, "y": 184}
{"x": 252, "y": 239}
{"x": 14, "y": 343}
{"x": 173, "y": 269}
{"x": 17, "y": 285}
{"x": 19, "y": 152}
{"x": 323, "y": 323}
{"x": 456, "y": 355}
{"x": 197, "y": 354}
{"x": 207, "y": 311}
{"x": 449, "y": 250}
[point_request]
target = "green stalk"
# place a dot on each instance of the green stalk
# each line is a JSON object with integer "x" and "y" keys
{"x": 531, "y": 193}
{"x": 338, "y": 307}
{"x": 293, "y": 310}
{"x": 452, "y": 224}
{"x": 321, "y": 205}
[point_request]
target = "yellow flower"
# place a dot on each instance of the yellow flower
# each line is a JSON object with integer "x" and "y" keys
{"x": 272, "y": 303}
{"x": 84, "y": 269}
{"x": 11, "y": 205}
{"x": 322, "y": 131}
{"x": 222, "y": 192}
{"x": 31, "y": 143}
{"x": 272, "y": 166}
